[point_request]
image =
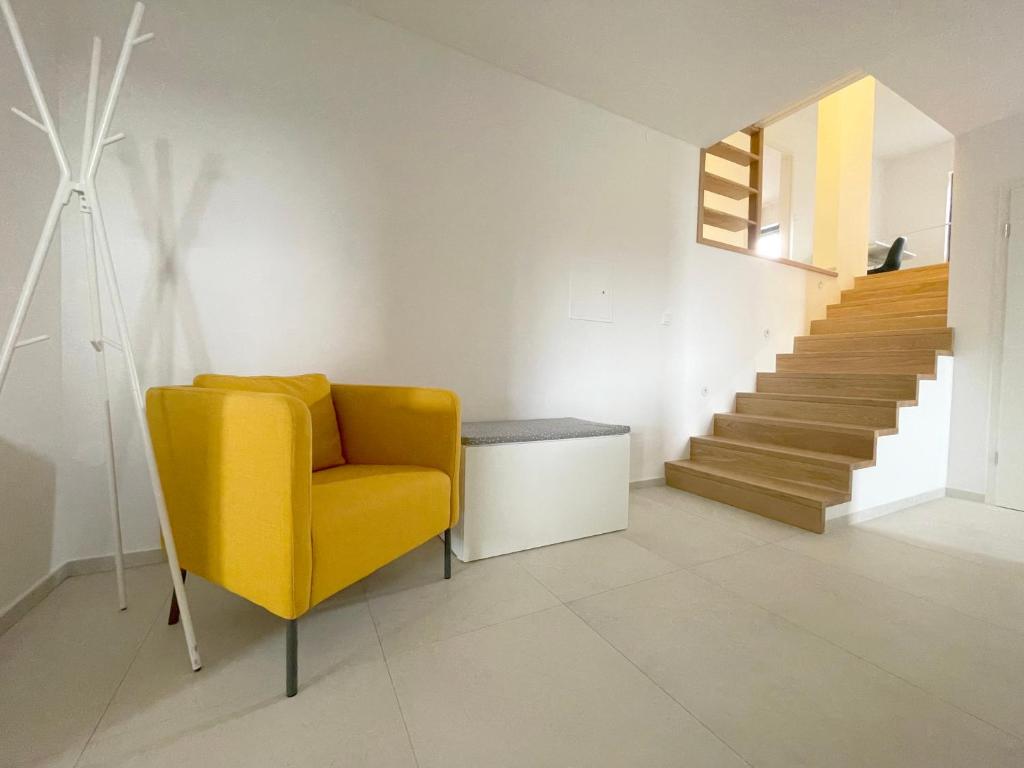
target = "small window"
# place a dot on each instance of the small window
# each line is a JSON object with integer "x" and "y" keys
{"x": 770, "y": 242}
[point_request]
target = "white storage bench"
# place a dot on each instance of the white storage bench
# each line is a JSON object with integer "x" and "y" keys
{"x": 527, "y": 484}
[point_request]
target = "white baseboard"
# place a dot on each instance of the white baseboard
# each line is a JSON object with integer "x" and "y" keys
{"x": 103, "y": 563}
{"x": 30, "y": 598}
{"x": 12, "y": 613}
{"x": 650, "y": 483}
{"x": 863, "y": 515}
{"x": 958, "y": 493}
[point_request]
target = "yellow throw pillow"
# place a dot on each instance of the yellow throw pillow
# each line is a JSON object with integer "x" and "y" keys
{"x": 311, "y": 388}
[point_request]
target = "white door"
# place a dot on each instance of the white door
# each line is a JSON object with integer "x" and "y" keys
{"x": 1009, "y": 488}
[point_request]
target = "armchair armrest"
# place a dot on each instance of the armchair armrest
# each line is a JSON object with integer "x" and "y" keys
{"x": 402, "y": 425}
{"x": 236, "y": 470}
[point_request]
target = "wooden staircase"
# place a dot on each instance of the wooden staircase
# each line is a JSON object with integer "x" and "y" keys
{"x": 790, "y": 449}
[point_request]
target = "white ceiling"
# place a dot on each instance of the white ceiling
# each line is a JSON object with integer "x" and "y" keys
{"x": 901, "y": 128}
{"x": 700, "y": 70}
{"x": 795, "y": 133}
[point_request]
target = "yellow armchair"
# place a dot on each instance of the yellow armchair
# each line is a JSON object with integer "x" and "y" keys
{"x": 249, "y": 513}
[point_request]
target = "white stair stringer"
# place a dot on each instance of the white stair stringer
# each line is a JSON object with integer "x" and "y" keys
{"x": 911, "y": 465}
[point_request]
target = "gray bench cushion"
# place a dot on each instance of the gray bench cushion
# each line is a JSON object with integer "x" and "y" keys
{"x": 530, "y": 430}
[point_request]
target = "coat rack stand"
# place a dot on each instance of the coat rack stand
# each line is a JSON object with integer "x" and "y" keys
{"x": 97, "y": 251}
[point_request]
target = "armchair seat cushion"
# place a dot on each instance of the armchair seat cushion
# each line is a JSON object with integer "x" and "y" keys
{"x": 366, "y": 515}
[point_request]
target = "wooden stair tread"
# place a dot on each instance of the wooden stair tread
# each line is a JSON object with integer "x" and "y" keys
{"x": 907, "y": 313}
{"x": 876, "y": 300}
{"x": 927, "y": 272}
{"x": 905, "y": 288}
{"x": 884, "y": 333}
{"x": 824, "y": 326}
{"x": 809, "y": 495}
{"x": 842, "y": 375}
{"x": 836, "y": 399}
{"x": 858, "y": 361}
{"x": 882, "y": 353}
{"x": 818, "y": 457}
{"x": 830, "y": 426}
{"x": 838, "y": 374}
{"x": 938, "y": 340}
{"x": 860, "y": 353}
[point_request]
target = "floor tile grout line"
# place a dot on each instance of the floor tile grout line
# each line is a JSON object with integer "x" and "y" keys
{"x": 901, "y": 590}
{"x": 120, "y": 682}
{"x": 926, "y": 547}
{"x": 754, "y": 548}
{"x": 721, "y": 524}
{"x": 675, "y": 569}
{"x": 394, "y": 688}
{"x": 473, "y": 631}
{"x": 855, "y": 655}
{"x": 657, "y": 685}
{"x": 878, "y": 534}
{"x": 543, "y": 586}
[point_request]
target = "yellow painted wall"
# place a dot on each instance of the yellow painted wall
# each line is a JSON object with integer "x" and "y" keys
{"x": 842, "y": 207}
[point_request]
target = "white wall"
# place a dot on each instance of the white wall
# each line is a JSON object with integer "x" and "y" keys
{"x": 909, "y": 199}
{"x": 30, "y": 409}
{"x": 324, "y": 191}
{"x": 738, "y": 313}
{"x": 989, "y": 161}
{"x": 910, "y": 465}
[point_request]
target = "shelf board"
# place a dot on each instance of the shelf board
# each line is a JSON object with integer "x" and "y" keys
{"x": 732, "y": 153}
{"x": 723, "y": 186}
{"x": 756, "y": 255}
{"x": 723, "y": 220}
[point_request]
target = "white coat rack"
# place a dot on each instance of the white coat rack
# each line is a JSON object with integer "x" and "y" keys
{"x": 97, "y": 250}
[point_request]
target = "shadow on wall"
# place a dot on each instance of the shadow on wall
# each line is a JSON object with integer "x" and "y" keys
{"x": 28, "y": 490}
{"x": 167, "y": 299}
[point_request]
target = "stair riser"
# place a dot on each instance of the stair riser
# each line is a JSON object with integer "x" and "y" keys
{"x": 895, "y": 291}
{"x": 856, "y": 297}
{"x": 898, "y": 307}
{"x": 853, "y": 387}
{"x": 940, "y": 340}
{"x": 764, "y": 465}
{"x": 863, "y": 324}
{"x": 810, "y": 518}
{"x": 911, "y": 362}
{"x": 862, "y": 415}
{"x": 808, "y": 438}
{"x": 886, "y": 279}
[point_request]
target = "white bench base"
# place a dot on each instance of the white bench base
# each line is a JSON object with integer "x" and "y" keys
{"x": 518, "y": 496}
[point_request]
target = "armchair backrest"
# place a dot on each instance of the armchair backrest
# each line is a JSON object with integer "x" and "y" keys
{"x": 401, "y": 425}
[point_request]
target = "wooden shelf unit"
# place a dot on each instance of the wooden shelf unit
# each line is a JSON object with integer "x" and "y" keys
{"x": 710, "y": 216}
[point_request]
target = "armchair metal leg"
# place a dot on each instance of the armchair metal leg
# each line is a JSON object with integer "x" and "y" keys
{"x": 448, "y": 553}
{"x": 175, "y": 614}
{"x": 292, "y": 660}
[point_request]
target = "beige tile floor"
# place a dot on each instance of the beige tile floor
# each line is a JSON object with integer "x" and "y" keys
{"x": 702, "y": 636}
